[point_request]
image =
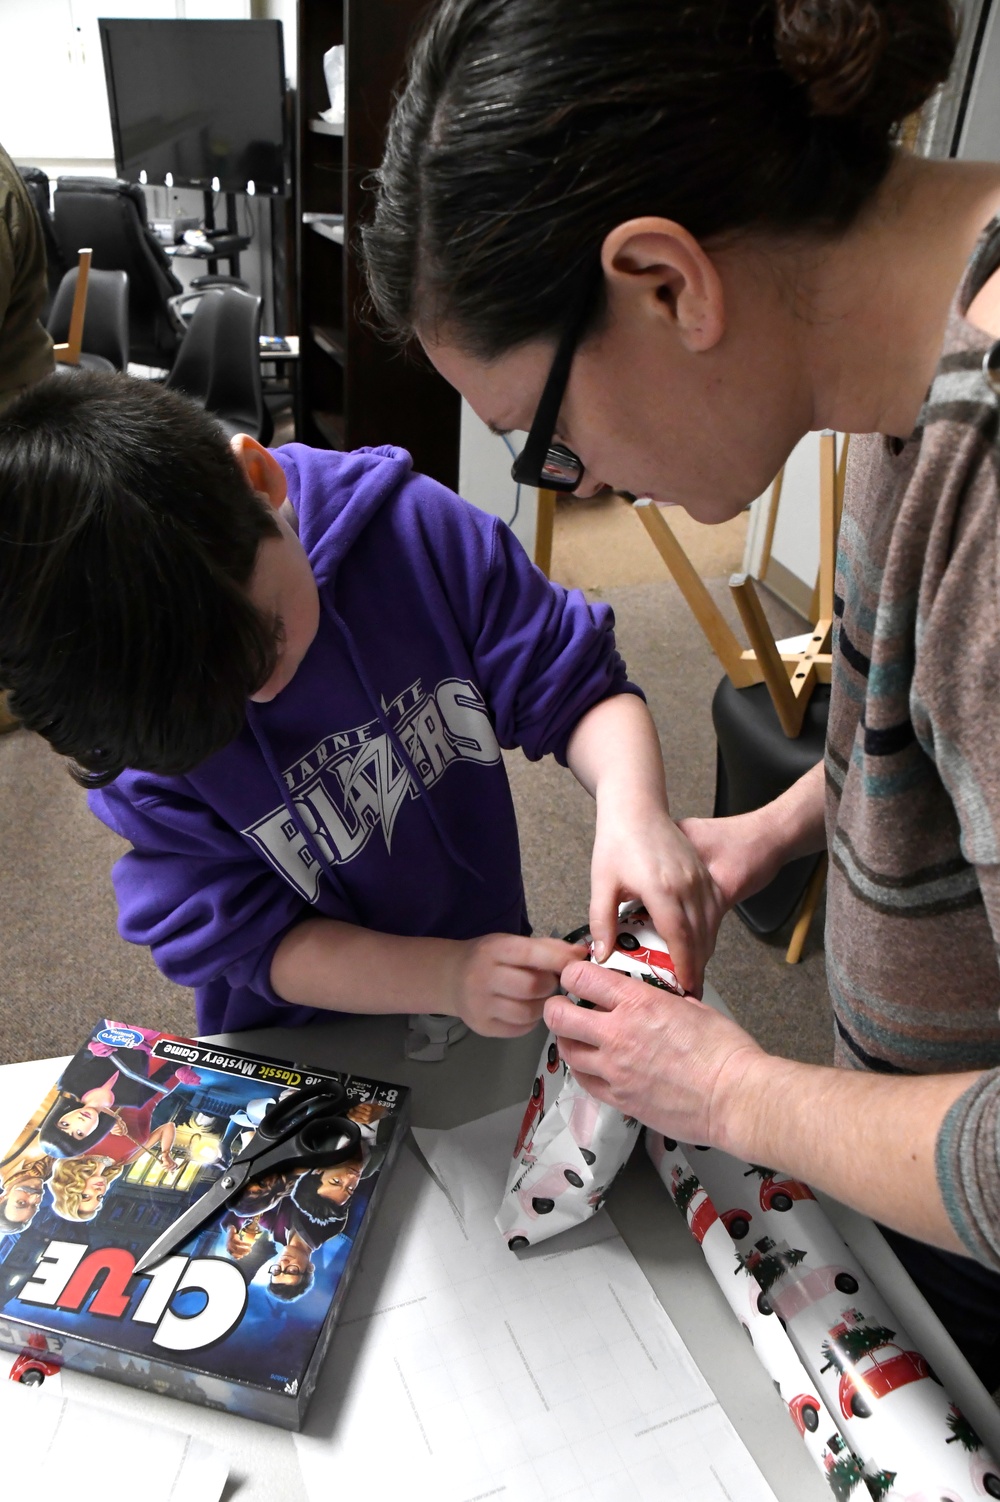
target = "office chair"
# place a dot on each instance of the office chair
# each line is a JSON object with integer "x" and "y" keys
{"x": 218, "y": 364}
{"x": 37, "y": 183}
{"x": 104, "y": 337}
{"x": 182, "y": 307}
{"x": 109, "y": 215}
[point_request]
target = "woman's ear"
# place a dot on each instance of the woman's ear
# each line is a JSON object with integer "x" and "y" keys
{"x": 659, "y": 265}
{"x": 264, "y": 474}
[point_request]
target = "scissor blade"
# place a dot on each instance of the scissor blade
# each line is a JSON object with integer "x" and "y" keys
{"x": 194, "y": 1217}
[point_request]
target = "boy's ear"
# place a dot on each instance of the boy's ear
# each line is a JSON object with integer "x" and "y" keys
{"x": 263, "y": 472}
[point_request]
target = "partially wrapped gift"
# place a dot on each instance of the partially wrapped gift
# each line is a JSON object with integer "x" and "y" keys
{"x": 571, "y": 1146}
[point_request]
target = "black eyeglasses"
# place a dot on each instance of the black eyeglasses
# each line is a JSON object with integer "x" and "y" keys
{"x": 548, "y": 465}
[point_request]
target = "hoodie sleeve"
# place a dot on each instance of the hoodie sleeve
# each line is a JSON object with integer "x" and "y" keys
{"x": 191, "y": 889}
{"x": 545, "y": 654}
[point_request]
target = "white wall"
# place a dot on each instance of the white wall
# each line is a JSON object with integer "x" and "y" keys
{"x": 981, "y": 131}
{"x": 484, "y": 478}
{"x": 795, "y": 545}
{"x": 796, "y": 532}
{"x": 285, "y": 11}
{"x": 53, "y": 104}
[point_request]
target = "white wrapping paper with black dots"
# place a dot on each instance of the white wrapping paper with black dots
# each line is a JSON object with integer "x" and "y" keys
{"x": 895, "y": 1429}
{"x": 568, "y": 1151}
{"x": 571, "y": 1146}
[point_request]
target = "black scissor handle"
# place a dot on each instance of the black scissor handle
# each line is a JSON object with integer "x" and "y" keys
{"x": 320, "y": 1142}
{"x": 328, "y": 1139}
{"x": 288, "y": 1116}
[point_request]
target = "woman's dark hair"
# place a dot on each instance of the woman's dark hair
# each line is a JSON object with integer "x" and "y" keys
{"x": 528, "y": 129}
{"x": 128, "y": 533}
{"x": 59, "y": 1143}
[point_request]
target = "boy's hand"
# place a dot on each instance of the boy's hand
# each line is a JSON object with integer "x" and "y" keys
{"x": 614, "y": 752}
{"x": 503, "y": 980}
{"x": 645, "y": 855}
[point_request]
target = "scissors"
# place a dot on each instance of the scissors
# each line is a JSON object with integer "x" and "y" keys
{"x": 303, "y": 1130}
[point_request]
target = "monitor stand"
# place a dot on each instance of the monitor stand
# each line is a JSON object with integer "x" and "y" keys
{"x": 232, "y": 228}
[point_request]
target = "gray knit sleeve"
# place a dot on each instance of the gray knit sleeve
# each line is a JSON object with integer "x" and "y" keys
{"x": 968, "y": 1168}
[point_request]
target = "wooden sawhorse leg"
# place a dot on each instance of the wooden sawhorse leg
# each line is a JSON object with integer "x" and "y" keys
{"x": 810, "y": 902}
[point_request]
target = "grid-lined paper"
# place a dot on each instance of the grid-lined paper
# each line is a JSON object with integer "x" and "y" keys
{"x": 462, "y": 1372}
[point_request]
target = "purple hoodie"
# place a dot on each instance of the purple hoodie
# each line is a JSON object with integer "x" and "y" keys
{"x": 371, "y": 789}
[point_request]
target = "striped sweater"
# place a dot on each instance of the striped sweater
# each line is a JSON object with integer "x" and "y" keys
{"x": 913, "y": 761}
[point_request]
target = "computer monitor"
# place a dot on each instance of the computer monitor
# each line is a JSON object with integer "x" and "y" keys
{"x": 197, "y": 104}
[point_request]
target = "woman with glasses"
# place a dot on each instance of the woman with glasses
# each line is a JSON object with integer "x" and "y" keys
{"x": 669, "y": 239}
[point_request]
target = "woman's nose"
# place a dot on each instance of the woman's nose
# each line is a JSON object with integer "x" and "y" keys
{"x": 588, "y": 487}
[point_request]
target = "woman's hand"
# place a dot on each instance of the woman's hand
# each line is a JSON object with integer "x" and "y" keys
{"x": 689, "y": 1072}
{"x": 639, "y": 852}
{"x": 742, "y": 853}
{"x": 745, "y": 852}
{"x": 500, "y": 982}
{"x": 670, "y": 1061}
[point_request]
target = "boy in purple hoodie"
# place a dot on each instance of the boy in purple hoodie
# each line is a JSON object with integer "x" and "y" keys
{"x": 286, "y": 678}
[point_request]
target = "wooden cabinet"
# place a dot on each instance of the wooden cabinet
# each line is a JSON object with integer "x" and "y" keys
{"x": 354, "y": 388}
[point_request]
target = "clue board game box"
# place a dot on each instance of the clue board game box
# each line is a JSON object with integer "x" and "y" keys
{"x": 137, "y": 1127}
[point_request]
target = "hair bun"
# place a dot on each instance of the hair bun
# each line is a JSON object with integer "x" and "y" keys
{"x": 873, "y": 61}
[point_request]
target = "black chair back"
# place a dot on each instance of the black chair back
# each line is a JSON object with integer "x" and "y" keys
{"x": 109, "y": 215}
{"x": 37, "y": 183}
{"x": 105, "y": 325}
{"x": 218, "y": 364}
{"x": 756, "y": 763}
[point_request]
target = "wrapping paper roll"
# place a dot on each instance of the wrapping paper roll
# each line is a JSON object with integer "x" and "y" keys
{"x": 774, "y": 1350}
{"x": 570, "y": 1146}
{"x": 894, "y": 1419}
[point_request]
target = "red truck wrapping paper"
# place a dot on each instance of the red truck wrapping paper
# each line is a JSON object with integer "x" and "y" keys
{"x": 774, "y": 1350}
{"x": 896, "y": 1433}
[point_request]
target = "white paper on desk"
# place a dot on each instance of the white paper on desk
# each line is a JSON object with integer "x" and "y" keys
{"x": 64, "y": 1442}
{"x": 461, "y": 1371}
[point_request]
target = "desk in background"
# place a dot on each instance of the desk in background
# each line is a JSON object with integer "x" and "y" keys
{"x": 222, "y": 247}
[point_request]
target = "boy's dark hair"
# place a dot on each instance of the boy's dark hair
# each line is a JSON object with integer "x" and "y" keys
{"x": 128, "y": 534}
{"x": 528, "y": 129}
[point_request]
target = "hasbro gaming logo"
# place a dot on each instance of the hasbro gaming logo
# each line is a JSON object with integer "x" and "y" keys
{"x": 119, "y": 1037}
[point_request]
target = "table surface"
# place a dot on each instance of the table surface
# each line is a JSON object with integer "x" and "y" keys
{"x": 478, "y": 1076}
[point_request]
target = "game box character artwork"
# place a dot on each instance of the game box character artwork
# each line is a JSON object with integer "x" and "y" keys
{"x": 137, "y": 1128}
